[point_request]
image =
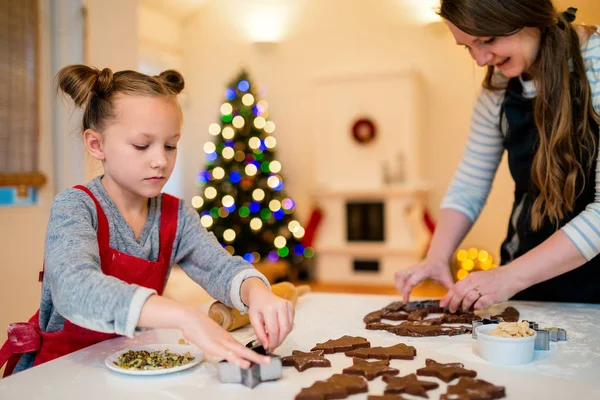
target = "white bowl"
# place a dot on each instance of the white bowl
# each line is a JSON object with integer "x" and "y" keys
{"x": 501, "y": 350}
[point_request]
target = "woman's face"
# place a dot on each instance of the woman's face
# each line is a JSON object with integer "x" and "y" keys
{"x": 513, "y": 55}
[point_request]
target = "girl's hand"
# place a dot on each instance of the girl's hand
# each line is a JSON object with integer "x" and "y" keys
{"x": 211, "y": 338}
{"x": 407, "y": 279}
{"x": 481, "y": 289}
{"x": 272, "y": 317}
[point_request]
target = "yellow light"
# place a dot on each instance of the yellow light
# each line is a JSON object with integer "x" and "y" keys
{"x": 472, "y": 253}
{"x": 228, "y": 133}
{"x": 229, "y": 235}
{"x": 275, "y": 205}
{"x": 293, "y": 226}
{"x": 275, "y": 166}
{"x": 461, "y": 255}
{"x": 228, "y": 153}
{"x": 270, "y": 142}
{"x": 230, "y": 249}
{"x": 210, "y": 192}
{"x": 214, "y": 129}
{"x": 248, "y": 99}
{"x": 223, "y": 213}
{"x": 255, "y": 224}
{"x": 251, "y": 169}
{"x": 485, "y": 265}
{"x": 240, "y": 156}
{"x": 483, "y": 255}
{"x": 206, "y": 221}
{"x": 258, "y": 194}
{"x": 226, "y": 109}
{"x": 280, "y": 242}
{"x": 490, "y": 259}
{"x": 238, "y": 121}
{"x": 228, "y": 201}
{"x": 273, "y": 181}
{"x": 259, "y": 122}
{"x": 270, "y": 127}
{"x": 256, "y": 256}
{"x": 218, "y": 173}
{"x": 254, "y": 143}
{"x": 197, "y": 201}
{"x": 209, "y": 147}
{"x": 264, "y": 104}
{"x": 299, "y": 233}
{"x": 462, "y": 274}
{"x": 468, "y": 264}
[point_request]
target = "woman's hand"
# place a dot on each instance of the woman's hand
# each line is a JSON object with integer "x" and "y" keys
{"x": 482, "y": 289}
{"x": 407, "y": 279}
{"x": 211, "y": 338}
{"x": 271, "y": 316}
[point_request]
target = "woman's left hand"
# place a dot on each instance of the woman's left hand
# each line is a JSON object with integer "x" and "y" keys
{"x": 481, "y": 289}
{"x": 272, "y": 317}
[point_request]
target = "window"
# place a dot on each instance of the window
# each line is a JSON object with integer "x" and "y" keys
{"x": 19, "y": 99}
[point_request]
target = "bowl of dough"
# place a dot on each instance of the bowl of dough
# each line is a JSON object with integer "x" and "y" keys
{"x": 507, "y": 343}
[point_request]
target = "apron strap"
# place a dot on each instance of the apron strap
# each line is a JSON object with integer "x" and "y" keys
{"x": 102, "y": 232}
{"x": 168, "y": 229}
{"x": 23, "y": 337}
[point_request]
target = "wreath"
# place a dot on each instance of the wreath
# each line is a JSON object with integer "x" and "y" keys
{"x": 363, "y": 130}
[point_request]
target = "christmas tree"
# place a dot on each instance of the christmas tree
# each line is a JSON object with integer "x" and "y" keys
{"x": 242, "y": 200}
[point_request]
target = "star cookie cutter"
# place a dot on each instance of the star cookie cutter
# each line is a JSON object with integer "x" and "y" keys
{"x": 256, "y": 373}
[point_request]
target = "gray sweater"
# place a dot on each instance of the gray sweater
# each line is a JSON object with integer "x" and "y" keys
{"x": 75, "y": 288}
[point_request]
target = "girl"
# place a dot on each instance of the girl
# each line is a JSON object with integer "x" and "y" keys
{"x": 111, "y": 243}
{"x": 541, "y": 103}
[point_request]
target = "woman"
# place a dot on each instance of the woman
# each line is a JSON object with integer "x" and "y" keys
{"x": 540, "y": 102}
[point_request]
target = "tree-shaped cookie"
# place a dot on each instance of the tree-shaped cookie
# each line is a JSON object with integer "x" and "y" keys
{"x": 338, "y": 386}
{"x": 446, "y": 372}
{"x": 409, "y": 384}
{"x": 370, "y": 369}
{"x": 302, "y": 361}
{"x": 345, "y": 343}
{"x": 471, "y": 388}
{"x": 399, "y": 351}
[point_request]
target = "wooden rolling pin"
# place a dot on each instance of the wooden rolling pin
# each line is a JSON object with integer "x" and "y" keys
{"x": 231, "y": 319}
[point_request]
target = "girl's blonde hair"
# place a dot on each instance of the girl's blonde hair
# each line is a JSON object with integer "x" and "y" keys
{"x": 94, "y": 91}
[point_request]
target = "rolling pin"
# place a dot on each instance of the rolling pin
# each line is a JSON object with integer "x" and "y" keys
{"x": 231, "y": 319}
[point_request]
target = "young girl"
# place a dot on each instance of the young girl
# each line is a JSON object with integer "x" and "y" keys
{"x": 541, "y": 103}
{"x": 110, "y": 244}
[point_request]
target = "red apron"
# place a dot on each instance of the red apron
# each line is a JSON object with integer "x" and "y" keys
{"x": 27, "y": 337}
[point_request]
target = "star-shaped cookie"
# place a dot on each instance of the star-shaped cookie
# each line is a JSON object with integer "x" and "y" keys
{"x": 474, "y": 389}
{"x": 345, "y": 343}
{"x": 302, "y": 361}
{"x": 399, "y": 351}
{"x": 409, "y": 384}
{"x": 446, "y": 372}
{"x": 370, "y": 369}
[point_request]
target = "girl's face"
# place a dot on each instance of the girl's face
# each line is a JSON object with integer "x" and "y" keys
{"x": 139, "y": 147}
{"x": 513, "y": 55}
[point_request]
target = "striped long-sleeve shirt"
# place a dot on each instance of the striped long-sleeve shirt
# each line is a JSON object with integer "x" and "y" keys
{"x": 472, "y": 180}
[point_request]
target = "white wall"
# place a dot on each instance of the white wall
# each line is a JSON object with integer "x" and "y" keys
{"x": 328, "y": 37}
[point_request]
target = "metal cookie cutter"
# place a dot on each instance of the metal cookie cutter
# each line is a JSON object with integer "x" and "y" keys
{"x": 547, "y": 335}
{"x": 256, "y": 373}
{"x": 484, "y": 321}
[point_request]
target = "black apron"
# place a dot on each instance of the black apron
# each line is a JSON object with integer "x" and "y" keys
{"x": 581, "y": 284}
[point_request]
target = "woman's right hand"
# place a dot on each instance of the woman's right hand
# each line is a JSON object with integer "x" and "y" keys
{"x": 407, "y": 279}
{"x": 211, "y": 338}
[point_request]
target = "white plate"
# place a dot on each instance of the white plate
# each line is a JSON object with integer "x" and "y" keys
{"x": 173, "y": 348}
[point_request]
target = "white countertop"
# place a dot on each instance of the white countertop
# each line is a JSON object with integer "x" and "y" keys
{"x": 570, "y": 370}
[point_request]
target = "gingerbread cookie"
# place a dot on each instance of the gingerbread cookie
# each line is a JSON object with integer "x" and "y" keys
{"x": 374, "y": 316}
{"x": 446, "y": 372}
{"x": 302, "y": 361}
{"x": 345, "y": 343}
{"x": 338, "y": 386}
{"x": 473, "y": 389}
{"x": 409, "y": 384}
{"x": 420, "y": 328}
{"x": 510, "y": 314}
{"x": 399, "y": 351}
{"x": 432, "y": 306}
{"x": 370, "y": 369}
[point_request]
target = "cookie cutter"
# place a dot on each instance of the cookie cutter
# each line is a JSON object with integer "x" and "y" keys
{"x": 256, "y": 373}
{"x": 483, "y": 321}
{"x": 547, "y": 335}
